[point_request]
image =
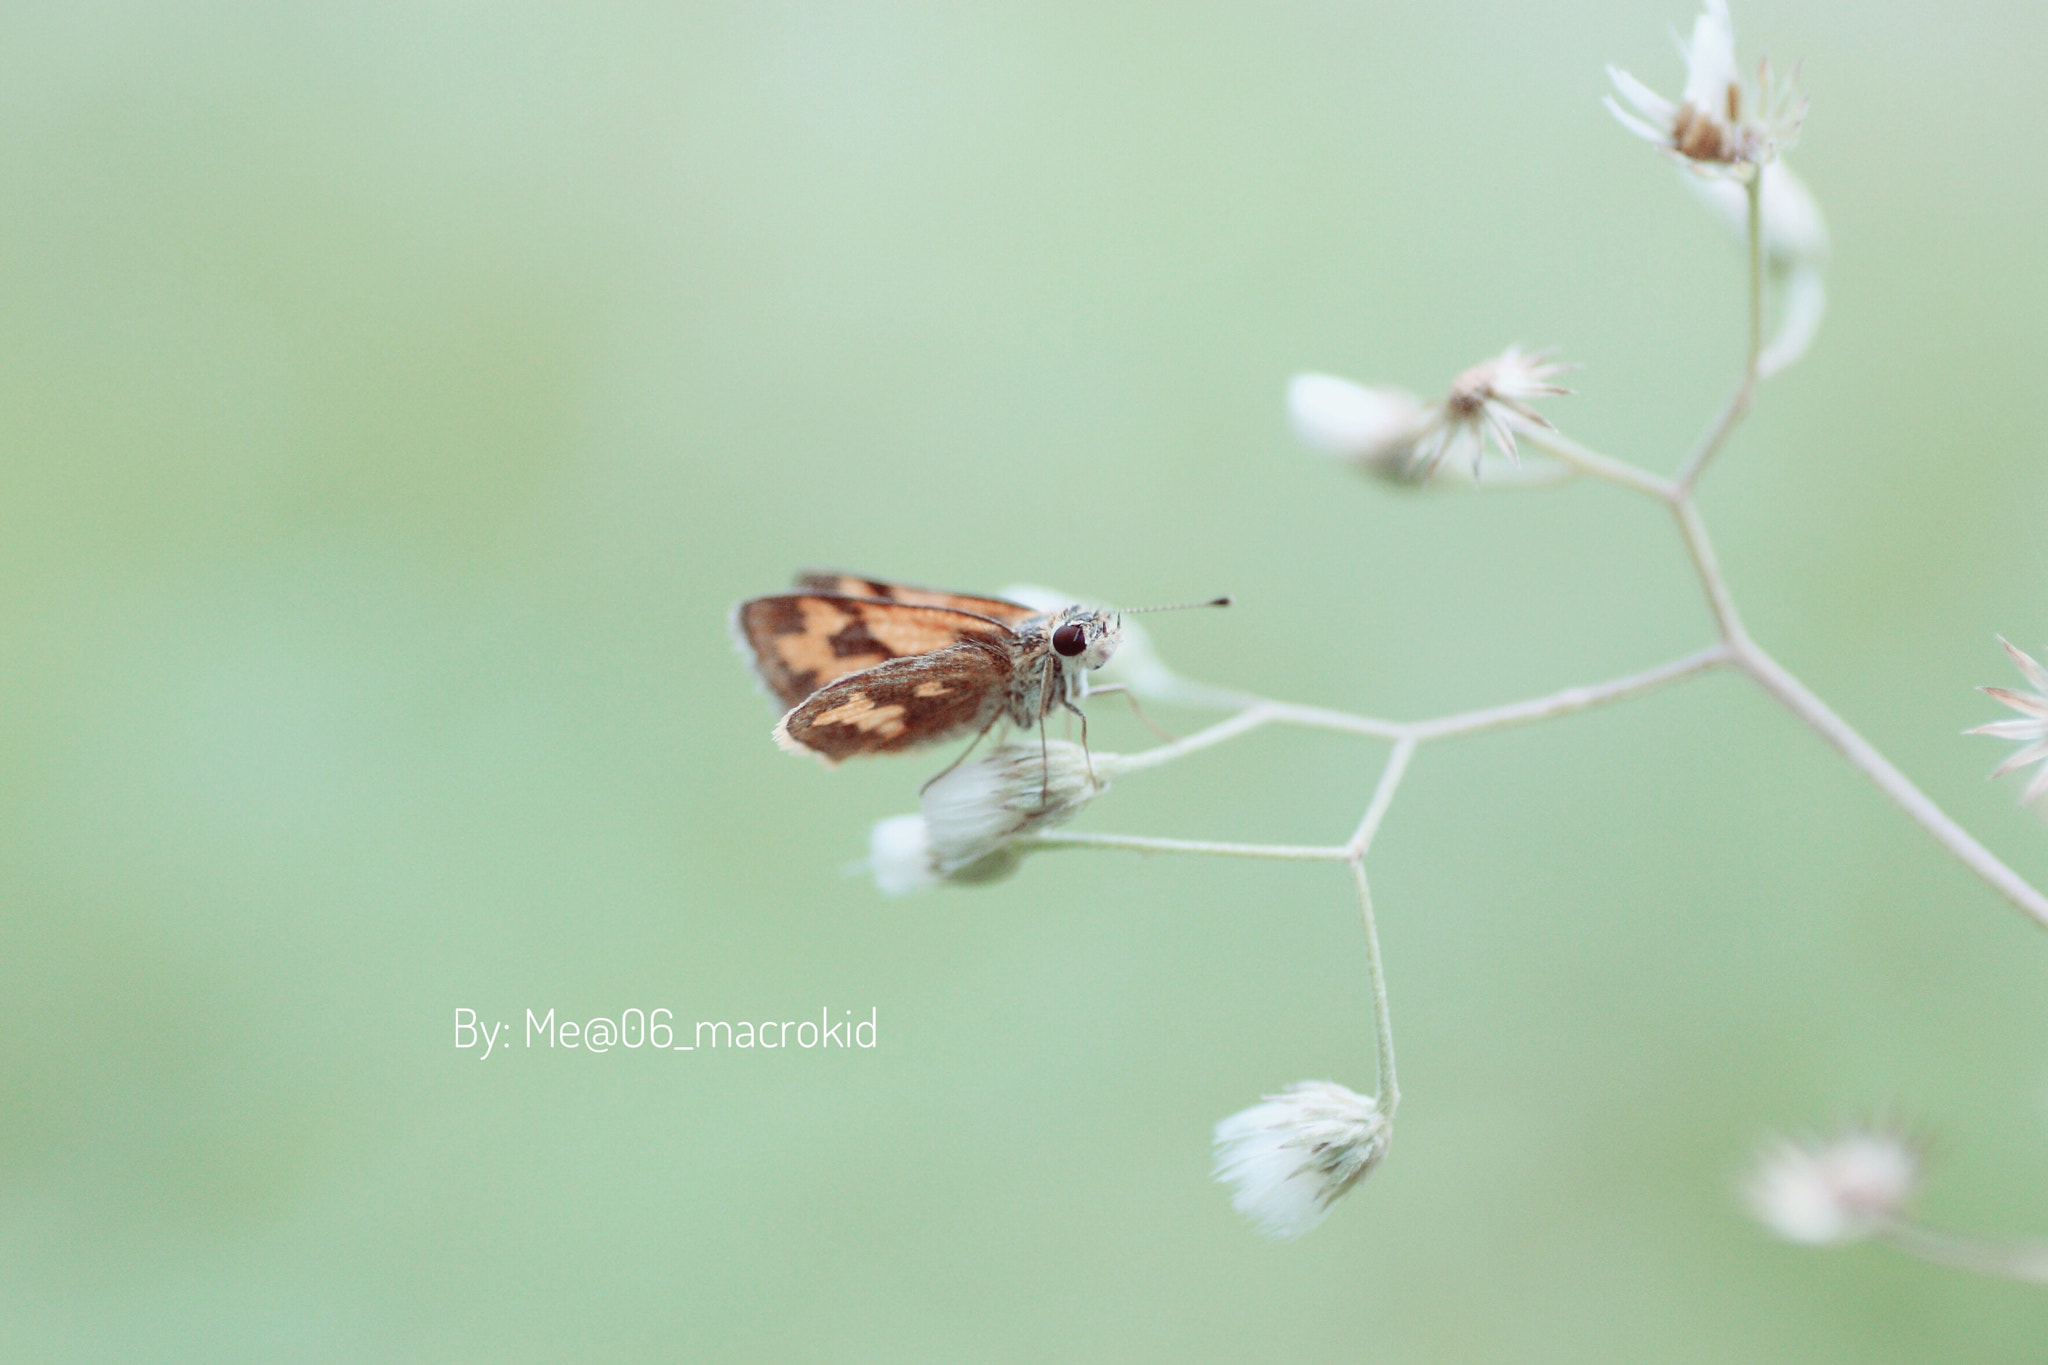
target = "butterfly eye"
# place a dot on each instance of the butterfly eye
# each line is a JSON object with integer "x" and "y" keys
{"x": 1069, "y": 640}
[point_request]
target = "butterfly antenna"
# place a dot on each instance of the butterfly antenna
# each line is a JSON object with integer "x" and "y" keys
{"x": 1179, "y": 606}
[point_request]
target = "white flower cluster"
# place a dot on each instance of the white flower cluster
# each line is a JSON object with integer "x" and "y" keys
{"x": 1390, "y": 433}
{"x": 1824, "y": 1193}
{"x": 2030, "y": 730}
{"x": 1721, "y": 125}
{"x": 968, "y": 817}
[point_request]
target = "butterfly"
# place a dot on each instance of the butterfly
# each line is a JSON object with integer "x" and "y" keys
{"x": 867, "y": 667}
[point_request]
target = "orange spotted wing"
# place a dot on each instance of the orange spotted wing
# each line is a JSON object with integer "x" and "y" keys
{"x": 853, "y": 585}
{"x": 865, "y": 674}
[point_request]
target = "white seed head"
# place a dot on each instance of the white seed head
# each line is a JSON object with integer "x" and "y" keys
{"x": 1372, "y": 428}
{"x": 987, "y": 801}
{"x": 2030, "y": 731}
{"x": 1824, "y": 1193}
{"x": 1487, "y": 404}
{"x": 970, "y": 815}
{"x": 1293, "y": 1156}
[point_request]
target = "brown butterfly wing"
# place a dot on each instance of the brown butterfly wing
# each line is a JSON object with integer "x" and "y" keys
{"x": 805, "y": 641}
{"x": 902, "y": 703}
{"x": 852, "y": 585}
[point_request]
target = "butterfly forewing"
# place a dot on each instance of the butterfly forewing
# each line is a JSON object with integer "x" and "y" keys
{"x": 805, "y": 641}
{"x": 903, "y": 702}
{"x": 852, "y": 585}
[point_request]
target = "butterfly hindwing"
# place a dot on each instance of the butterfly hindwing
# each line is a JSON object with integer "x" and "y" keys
{"x": 805, "y": 641}
{"x": 903, "y": 702}
{"x": 852, "y": 585}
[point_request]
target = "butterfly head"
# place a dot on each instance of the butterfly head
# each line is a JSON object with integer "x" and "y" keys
{"x": 1086, "y": 636}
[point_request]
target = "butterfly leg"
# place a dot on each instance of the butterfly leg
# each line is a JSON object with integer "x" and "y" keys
{"x": 1044, "y": 751}
{"x": 963, "y": 753}
{"x": 1154, "y": 726}
{"x": 1086, "y": 757}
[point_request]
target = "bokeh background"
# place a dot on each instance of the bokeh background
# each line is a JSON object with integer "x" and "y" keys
{"x": 397, "y": 396}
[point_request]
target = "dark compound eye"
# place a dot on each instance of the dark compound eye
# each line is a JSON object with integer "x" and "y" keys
{"x": 1069, "y": 640}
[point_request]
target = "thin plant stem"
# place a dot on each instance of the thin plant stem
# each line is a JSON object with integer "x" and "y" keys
{"x": 1261, "y": 711}
{"x": 1140, "y": 843}
{"x": 1756, "y": 274}
{"x": 1383, "y": 1024}
{"x": 1745, "y": 393}
{"x": 1708, "y": 567}
{"x": 1571, "y": 699}
{"x": 1596, "y": 465}
{"x": 1251, "y": 718}
{"x": 2010, "y": 1260}
{"x": 1322, "y": 718}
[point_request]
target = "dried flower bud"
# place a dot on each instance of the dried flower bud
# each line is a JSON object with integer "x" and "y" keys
{"x": 1841, "y": 1190}
{"x": 1293, "y": 1156}
{"x": 1722, "y": 125}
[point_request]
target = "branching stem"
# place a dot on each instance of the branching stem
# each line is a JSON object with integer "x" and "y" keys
{"x": 1733, "y": 648}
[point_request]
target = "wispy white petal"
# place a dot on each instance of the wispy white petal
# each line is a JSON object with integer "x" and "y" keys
{"x": 2033, "y": 753}
{"x": 2035, "y": 674}
{"x": 1710, "y": 60}
{"x": 2019, "y": 701}
{"x": 1648, "y": 103}
{"x": 2031, "y": 732}
{"x": 1803, "y": 303}
{"x": 1645, "y": 131}
{"x": 2012, "y": 729}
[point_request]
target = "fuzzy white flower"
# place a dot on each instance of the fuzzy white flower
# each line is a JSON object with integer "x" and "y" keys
{"x": 1488, "y": 401}
{"x": 1387, "y": 432}
{"x": 968, "y": 816}
{"x": 1372, "y": 428}
{"x": 1295, "y": 1155}
{"x": 986, "y": 802}
{"x": 1841, "y": 1190}
{"x": 1721, "y": 124}
{"x": 900, "y": 855}
{"x": 2031, "y": 731}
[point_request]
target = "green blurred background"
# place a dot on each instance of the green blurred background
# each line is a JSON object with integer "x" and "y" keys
{"x": 398, "y": 395}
